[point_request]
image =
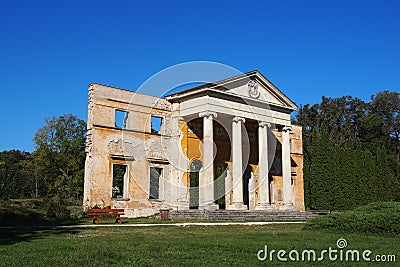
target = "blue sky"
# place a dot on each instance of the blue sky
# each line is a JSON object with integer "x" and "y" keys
{"x": 51, "y": 50}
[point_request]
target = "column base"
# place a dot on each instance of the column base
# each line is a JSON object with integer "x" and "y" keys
{"x": 237, "y": 206}
{"x": 183, "y": 206}
{"x": 287, "y": 206}
{"x": 263, "y": 207}
{"x": 209, "y": 207}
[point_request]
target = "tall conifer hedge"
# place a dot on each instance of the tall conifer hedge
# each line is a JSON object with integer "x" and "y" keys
{"x": 344, "y": 177}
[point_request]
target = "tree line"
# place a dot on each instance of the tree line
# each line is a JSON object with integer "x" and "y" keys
{"x": 351, "y": 151}
{"x": 54, "y": 169}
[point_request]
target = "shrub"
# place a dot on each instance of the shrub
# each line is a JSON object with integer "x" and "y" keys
{"x": 378, "y": 217}
{"x": 57, "y": 209}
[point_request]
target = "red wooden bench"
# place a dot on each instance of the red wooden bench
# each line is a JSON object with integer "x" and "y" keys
{"x": 96, "y": 213}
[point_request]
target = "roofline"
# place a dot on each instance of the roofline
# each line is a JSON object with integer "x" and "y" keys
{"x": 122, "y": 89}
{"x": 214, "y": 92}
{"x": 217, "y": 83}
{"x": 101, "y": 84}
{"x": 213, "y": 85}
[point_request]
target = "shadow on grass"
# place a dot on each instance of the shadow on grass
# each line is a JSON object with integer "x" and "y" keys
{"x": 12, "y": 236}
{"x": 18, "y": 217}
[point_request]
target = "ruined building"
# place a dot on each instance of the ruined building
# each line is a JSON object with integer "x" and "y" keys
{"x": 223, "y": 145}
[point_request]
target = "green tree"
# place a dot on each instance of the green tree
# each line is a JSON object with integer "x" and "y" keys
{"x": 358, "y": 130}
{"x": 347, "y": 175}
{"x": 387, "y": 185}
{"x": 343, "y": 177}
{"x": 322, "y": 171}
{"x": 60, "y": 155}
{"x": 12, "y": 181}
{"x": 387, "y": 105}
{"x": 367, "y": 178}
{"x": 371, "y": 133}
{"x": 307, "y": 185}
{"x": 341, "y": 117}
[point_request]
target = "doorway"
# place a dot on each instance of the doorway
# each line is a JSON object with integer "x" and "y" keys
{"x": 222, "y": 171}
{"x": 194, "y": 178}
{"x": 246, "y": 179}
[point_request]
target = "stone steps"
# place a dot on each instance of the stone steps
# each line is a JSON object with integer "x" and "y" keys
{"x": 226, "y": 215}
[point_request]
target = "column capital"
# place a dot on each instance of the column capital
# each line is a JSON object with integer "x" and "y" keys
{"x": 208, "y": 115}
{"x": 239, "y": 119}
{"x": 263, "y": 124}
{"x": 287, "y": 128}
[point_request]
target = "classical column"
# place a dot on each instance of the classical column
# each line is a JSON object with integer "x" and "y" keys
{"x": 263, "y": 184}
{"x": 206, "y": 183}
{"x": 237, "y": 165}
{"x": 286, "y": 167}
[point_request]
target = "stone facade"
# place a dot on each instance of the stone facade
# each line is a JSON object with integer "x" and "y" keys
{"x": 226, "y": 145}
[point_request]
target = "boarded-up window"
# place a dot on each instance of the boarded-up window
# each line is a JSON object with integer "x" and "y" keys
{"x": 155, "y": 174}
{"x": 119, "y": 177}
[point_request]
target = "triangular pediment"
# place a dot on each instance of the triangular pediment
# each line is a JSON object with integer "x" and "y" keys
{"x": 250, "y": 86}
{"x": 253, "y": 85}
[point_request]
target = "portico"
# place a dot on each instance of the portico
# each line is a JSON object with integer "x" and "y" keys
{"x": 231, "y": 103}
{"x": 206, "y": 188}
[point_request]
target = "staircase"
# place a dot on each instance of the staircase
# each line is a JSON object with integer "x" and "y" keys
{"x": 246, "y": 215}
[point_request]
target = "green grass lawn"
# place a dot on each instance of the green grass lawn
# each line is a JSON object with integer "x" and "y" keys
{"x": 168, "y": 245}
{"x": 179, "y": 246}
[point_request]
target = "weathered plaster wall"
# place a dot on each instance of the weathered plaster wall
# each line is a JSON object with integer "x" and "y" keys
{"x": 297, "y": 157}
{"x": 134, "y": 146}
